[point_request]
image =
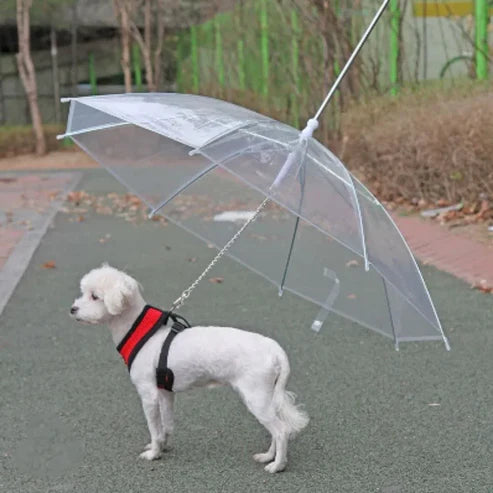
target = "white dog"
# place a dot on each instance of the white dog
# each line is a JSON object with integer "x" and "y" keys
{"x": 255, "y": 366}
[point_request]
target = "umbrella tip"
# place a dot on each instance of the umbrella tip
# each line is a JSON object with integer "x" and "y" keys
{"x": 447, "y": 345}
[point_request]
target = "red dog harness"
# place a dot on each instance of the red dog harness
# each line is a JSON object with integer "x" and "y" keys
{"x": 146, "y": 325}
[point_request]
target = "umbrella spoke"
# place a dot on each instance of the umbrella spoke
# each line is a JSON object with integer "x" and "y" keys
{"x": 183, "y": 188}
{"x": 396, "y": 341}
{"x": 290, "y": 252}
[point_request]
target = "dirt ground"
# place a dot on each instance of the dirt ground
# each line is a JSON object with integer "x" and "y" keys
{"x": 53, "y": 160}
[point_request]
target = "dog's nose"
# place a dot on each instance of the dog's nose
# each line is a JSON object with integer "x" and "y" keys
{"x": 74, "y": 310}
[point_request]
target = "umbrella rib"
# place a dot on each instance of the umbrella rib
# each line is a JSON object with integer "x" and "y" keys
{"x": 291, "y": 246}
{"x": 227, "y": 131}
{"x": 288, "y": 260}
{"x": 182, "y": 188}
{"x": 396, "y": 341}
{"x": 196, "y": 177}
{"x": 362, "y": 229}
{"x": 92, "y": 129}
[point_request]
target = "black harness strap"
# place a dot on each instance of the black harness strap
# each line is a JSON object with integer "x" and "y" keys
{"x": 164, "y": 375}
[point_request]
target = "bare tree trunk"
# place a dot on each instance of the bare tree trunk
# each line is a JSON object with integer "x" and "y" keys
{"x": 127, "y": 73}
{"x": 75, "y": 65}
{"x": 145, "y": 44}
{"x": 56, "y": 81}
{"x": 27, "y": 72}
{"x": 2, "y": 101}
{"x": 122, "y": 8}
{"x": 159, "y": 43}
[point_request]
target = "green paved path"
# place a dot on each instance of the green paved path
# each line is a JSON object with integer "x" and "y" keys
{"x": 420, "y": 420}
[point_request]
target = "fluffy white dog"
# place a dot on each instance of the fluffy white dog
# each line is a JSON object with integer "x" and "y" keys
{"x": 255, "y": 366}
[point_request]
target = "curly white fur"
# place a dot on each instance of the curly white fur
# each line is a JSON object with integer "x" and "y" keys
{"x": 255, "y": 366}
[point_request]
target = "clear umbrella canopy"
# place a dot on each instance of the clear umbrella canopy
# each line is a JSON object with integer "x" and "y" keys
{"x": 207, "y": 164}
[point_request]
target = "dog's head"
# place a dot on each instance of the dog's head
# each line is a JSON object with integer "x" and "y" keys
{"x": 106, "y": 293}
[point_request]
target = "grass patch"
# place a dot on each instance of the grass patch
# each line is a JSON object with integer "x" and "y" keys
{"x": 15, "y": 140}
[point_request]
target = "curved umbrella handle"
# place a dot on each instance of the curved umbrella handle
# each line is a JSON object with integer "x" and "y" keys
{"x": 333, "y": 294}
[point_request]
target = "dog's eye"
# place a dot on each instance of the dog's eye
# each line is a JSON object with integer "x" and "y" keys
{"x": 94, "y": 297}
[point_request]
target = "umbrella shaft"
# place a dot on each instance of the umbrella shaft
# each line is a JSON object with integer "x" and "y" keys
{"x": 367, "y": 33}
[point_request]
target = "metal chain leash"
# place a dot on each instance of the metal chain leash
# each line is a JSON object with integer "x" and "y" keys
{"x": 186, "y": 294}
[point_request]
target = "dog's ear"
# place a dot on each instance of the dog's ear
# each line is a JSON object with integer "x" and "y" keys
{"x": 120, "y": 294}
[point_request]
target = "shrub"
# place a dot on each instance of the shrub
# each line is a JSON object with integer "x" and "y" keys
{"x": 429, "y": 146}
{"x": 20, "y": 139}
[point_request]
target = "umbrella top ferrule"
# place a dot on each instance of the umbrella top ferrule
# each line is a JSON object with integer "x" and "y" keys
{"x": 311, "y": 126}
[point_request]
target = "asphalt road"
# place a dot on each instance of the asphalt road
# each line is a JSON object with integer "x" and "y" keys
{"x": 418, "y": 420}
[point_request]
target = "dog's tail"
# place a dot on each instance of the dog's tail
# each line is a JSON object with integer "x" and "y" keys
{"x": 290, "y": 413}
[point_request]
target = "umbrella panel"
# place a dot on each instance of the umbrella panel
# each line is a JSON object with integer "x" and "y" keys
{"x": 325, "y": 265}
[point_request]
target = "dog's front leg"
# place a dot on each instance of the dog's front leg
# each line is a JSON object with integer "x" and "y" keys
{"x": 166, "y": 405}
{"x": 150, "y": 404}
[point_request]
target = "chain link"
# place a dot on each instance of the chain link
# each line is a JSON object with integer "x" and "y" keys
{"x": 186, "y": 294}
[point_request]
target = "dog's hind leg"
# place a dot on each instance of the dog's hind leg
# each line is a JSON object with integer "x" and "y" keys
{"x": 258, "y": 400}
{"x": 267, "y": 456}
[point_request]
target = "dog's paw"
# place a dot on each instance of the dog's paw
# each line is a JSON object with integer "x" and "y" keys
{"x": 150, "y": 454}
{"x": 274, "y": 467}
{"x": 263, "y": 458}
{"x": 164, "y": 444}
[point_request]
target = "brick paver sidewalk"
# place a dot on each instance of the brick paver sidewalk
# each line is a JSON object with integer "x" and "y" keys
{"x": 20, "y": 197}
{"x": 28, "y": 203}
{"x": 436, "y": 245}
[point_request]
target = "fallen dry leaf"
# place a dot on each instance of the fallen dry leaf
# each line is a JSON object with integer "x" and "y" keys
{"x": 49, "y": 265}
{"x": 483, "y": 286}
{"x": 192, "y": 260}
{"x": 216, "y": 280}
{"x": 352, "y": 263}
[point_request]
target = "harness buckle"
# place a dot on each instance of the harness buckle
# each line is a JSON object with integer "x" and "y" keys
{"x": 177, "y": 327}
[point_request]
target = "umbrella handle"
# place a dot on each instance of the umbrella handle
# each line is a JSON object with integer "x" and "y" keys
{"x": 329, "y": 302}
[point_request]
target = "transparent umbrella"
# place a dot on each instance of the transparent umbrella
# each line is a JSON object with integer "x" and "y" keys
{"x": 318, "y": 232}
